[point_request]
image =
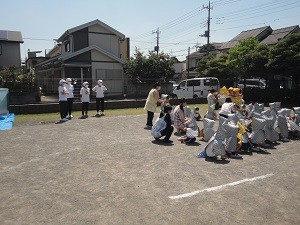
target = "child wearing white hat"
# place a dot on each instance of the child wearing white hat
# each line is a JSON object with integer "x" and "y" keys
{"x": 85, "y": 99}
{"x": 100, "y": 90}
{"x": 62, "y": 99}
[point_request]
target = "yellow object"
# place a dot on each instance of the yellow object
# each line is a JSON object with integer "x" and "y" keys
{"x": 223, "y": 91}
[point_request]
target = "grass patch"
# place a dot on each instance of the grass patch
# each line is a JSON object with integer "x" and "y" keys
{"x": 48, "y": 117}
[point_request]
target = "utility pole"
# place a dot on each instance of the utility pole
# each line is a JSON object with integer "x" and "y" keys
{"x": 188, "y": 64}
{"x": 157, "y": 32}
{"x": 207, "y": 33}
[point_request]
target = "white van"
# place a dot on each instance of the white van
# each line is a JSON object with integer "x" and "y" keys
{"x": 196, "y": 87}
{"x": 252, "y": 83}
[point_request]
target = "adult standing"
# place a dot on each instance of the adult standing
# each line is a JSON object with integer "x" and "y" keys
{"x": 70, "y": 97}
{"x": 100, "y": 90}
{"x": 62, "y": 99}
{"x": 211, "y": 97}
{"x": 151, "y": 104}
{"x": 227, "y": 108}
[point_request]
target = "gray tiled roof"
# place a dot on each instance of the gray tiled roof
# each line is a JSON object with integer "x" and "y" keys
{"x": 254, "y": 33}
{"x": 13, "y": 36}
{"x": 279, "y": 34}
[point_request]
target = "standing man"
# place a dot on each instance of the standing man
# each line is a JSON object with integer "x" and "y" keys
{"x": 100, "y": 90}
{"x": 151, "y": 104}
{"x": 70, "y": 97}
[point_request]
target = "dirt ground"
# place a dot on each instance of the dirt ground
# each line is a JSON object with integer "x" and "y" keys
{"x": 109, "y": 170}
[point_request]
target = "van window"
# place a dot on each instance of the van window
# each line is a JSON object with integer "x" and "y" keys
{"x": 211, "y": 82}
{"x": 182, "y": 84}
{"x": 193, "y": 83}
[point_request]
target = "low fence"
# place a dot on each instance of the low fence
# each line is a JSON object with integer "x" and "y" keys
{"x": 114, "y": 104}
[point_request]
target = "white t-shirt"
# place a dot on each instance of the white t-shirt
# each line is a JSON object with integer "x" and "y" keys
{"x": 227, "y": 108}
{"x": 100, "y": 91}
{"x": 62, "y": 96}
{"x": 211, "y": 99}
{"x": 85, "y": 94}
{"x": 70, "y": 89}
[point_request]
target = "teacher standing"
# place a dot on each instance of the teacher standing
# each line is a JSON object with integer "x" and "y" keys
{"x": 151, "y": 104}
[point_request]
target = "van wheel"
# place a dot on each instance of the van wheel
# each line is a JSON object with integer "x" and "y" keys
{"x": 175, "y": 97}
{"x": 195, "y": 96}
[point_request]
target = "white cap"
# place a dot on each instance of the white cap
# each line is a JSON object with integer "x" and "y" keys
{"x": 68, "y": 79}
{"x": 100, "y": 81}
{"x": 85, "y": 83}
{"x": 62, "y": 81}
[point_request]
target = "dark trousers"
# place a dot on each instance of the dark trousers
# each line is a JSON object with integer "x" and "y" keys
{"x": 63, "y": 107}
{"x": 70, "y": 106}
{"x": 150, "y": 116}
{"x": 100, "y": 104}
{"x": 167, "y": 132}
{"x": 85, "y": 108}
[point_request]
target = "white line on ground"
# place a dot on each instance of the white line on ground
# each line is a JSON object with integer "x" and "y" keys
{"x": 187, "y": 195}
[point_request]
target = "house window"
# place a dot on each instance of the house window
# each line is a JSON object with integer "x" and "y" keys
{"x": 67, "y": 47}
{"x": 0, "y": 49}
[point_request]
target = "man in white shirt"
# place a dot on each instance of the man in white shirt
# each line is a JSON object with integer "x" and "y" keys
{"x": 211, "y": 98}
{"x": 70, "y": 97}
{"x": 62, "y": 98}
{"x": 100, "y": 90}
{"x": 227, "y": 108}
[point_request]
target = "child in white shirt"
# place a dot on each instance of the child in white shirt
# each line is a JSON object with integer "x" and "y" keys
{"x": 100, "y": 90}
{"x": 70, "y": 96}
{"x": 62, "y": 98}
{"x": 85, "y": 99}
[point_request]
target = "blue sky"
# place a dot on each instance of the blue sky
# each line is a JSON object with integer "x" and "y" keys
{"x": 180, "y": 22}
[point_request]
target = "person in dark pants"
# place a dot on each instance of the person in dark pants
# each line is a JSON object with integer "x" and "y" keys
{"x": 62, "y": 98}
{"x": 70, "y": 97}
{"x": 151, "y": 104}
{"x": 163, "y": 126}
{"x": 100, "y": 90}
{"x": 85, "y": 99}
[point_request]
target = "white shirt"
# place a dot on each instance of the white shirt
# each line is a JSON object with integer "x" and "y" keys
{"x": 70, "y": 89}
{"x": 100, "y": 91}
{"x": 62, "y": 93}
{"x": 227, "y": 108}
{"x": 85, "y": 94}
{"x": 211, "y": 99}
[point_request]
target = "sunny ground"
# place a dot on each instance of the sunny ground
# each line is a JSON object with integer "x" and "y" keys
{"x": 109, "y": 170}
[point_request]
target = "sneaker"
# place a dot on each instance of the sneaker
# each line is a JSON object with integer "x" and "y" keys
{"x": 147, "y": 127}
{"x": 64, "y": 120}
{"x": 255, "y": 149}
{"x": 235, "y": 156}
{"x": 70, "y": 116}
{"x": 168, "y": 141}
{"x": 102, "y": 114}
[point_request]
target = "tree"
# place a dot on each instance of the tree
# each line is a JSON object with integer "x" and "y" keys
{"x": 17, "y": 79}
{"x": 154, "y": 67}
{"x": 249, "y": 58}
{"x": 285, "y": 58}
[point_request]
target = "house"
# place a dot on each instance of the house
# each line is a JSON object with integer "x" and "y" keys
{"x": 259, "y": 33}
{"x": 88, "y": 52}
{"x": 279, "y": 34}
{"x": 10, "y": 53}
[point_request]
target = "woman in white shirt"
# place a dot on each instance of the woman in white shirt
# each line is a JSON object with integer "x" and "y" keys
{"x": 70, "y": 97}
{"x": 85, "y": 99}
{"x": 100, "y": 90}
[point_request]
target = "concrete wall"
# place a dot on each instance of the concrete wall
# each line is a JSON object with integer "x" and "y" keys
{"x": 11, "y": 54}
{"x": 121, "y": 104}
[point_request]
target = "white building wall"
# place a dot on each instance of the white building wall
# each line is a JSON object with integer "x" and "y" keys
{"x": 104, "y": 39}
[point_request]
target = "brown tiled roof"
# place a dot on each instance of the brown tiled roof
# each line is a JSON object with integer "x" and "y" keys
{"x": 279, "y": 34}
{"x": 254, "y": 33}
